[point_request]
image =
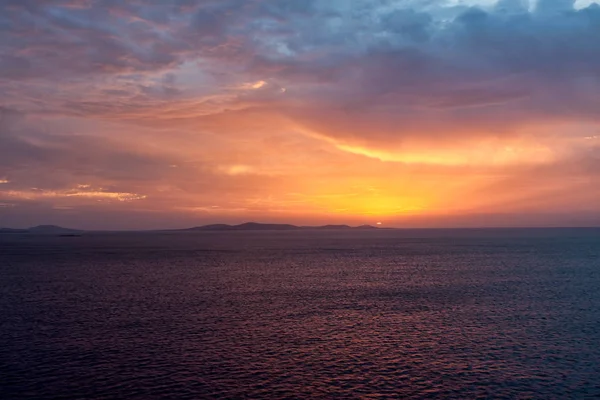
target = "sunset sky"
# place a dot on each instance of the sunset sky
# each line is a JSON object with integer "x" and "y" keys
{"x": 418, "y": 113}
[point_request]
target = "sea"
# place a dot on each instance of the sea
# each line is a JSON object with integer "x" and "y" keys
{"x": 348, "y": 314}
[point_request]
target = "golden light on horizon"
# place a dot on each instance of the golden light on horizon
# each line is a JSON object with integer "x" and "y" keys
{"x": 358, "y": 205}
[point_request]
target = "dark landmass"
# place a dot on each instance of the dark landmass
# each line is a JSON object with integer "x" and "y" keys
{"x": 43, "y": 230}
{"x": 213, "y": 227}
{"x": 255, "y": 226}
{"x": 248, "y": 226}
{"x": 329, "y": 227}
{"x": 369, "y": 227}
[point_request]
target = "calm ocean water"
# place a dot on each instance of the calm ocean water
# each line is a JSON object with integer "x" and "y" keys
{"x": 348, "y": 314}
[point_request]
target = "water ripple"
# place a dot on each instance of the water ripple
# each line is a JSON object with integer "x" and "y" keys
{"x": 299, "y": 315}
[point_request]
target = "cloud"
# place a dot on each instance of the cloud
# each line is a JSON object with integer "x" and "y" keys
{"x": 35, "y": 194}
{"x": 372, "y": 74}
{"x": 479, "y": 74}
{"x": 57, "y": 39}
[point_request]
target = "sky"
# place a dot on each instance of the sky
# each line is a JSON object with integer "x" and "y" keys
{"x": 413, "y": 113}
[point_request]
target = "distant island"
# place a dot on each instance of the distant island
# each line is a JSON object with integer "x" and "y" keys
{"x": 255, "y": 226}
{"x": 248, "y": 226}
{"x": 44, "y": 230}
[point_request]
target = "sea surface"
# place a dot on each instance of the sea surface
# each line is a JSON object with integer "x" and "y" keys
{"x": 301, "y": 314}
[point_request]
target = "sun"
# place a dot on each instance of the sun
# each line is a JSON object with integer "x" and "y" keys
{"x": 379, "y": 223}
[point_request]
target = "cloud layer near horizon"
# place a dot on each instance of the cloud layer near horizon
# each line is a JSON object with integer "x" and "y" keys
{"x": 304, "y": 110}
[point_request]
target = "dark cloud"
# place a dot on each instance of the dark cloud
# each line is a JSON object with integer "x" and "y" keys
{"x": 57, "y": 39}
{"x": 481, "y": 72}
{"x": 366, "y": 55}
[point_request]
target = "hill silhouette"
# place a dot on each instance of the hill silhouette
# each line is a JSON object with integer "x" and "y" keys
{"x": 255, "y": 226}
{"x": 42, "y": 230}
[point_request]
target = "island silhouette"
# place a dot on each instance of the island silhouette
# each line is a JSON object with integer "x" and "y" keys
{"x": 43, "y": 230}
{"x": 256, "y": 226}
